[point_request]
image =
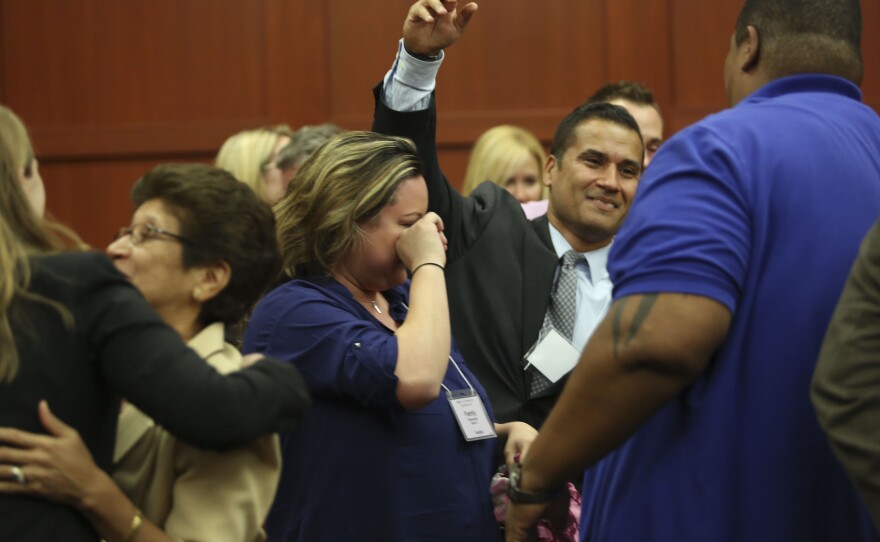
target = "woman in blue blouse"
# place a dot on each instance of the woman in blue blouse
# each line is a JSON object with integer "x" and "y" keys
{"x": 382, "y": 455}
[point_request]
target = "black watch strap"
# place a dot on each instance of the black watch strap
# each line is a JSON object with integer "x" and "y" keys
{"x": 519, "y": 496}
{"x": 423, "y": 58}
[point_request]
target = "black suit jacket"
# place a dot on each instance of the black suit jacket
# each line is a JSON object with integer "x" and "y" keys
{"x": 118, "y": 346}
{"x": 500, "y": 272}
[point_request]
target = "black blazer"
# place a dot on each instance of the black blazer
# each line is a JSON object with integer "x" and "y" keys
{"x": 500, "y": 272}
{"x": 120, "y": 347}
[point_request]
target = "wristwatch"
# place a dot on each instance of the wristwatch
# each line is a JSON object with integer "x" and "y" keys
{"x": 424, "y": 58}
{"x": 519, "y": 496}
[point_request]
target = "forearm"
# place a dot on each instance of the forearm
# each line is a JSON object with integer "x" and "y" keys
{"x": 111, "y": 513}
{"x": 424, "y": 339}
{"x": 404, "y": 108}
{"x": 606, "y": 404}
{"x": 409, "y": 83}
{"x": 644, "y": 353}
{"x": 226, "y": 411}
{"x": 221, "y": 411}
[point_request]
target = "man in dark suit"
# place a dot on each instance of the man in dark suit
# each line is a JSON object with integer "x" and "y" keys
{"x": 502, "y": 268}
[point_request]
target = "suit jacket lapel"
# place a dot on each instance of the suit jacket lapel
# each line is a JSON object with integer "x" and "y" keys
{"x": 539, "y": 267}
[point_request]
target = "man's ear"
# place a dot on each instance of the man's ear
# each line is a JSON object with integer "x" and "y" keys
{"x": 750, "y": 50}
{"x": 211, "y": 280}
{"x": 549, "y": 170}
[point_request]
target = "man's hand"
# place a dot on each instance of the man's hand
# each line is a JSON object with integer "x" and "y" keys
{"x": 434, "y": 25}
{"x": 522, "y": 519}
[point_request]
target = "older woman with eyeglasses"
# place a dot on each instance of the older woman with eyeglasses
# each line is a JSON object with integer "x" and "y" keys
{"x": 201, "y": 248}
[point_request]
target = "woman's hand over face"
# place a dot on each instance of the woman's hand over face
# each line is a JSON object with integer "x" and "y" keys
{"x": 423, "y": 242}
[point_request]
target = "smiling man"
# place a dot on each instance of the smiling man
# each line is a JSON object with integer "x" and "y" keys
{"x": 691, "y": 406}
{"x": 524, "y": 295}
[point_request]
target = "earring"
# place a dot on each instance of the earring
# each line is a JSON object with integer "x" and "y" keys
{"x": 197, "y": 294}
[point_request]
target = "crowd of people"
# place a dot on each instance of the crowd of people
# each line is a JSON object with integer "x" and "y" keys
{"x": 320, "y": 338}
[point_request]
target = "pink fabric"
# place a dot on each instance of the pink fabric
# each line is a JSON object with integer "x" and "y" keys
{"x": 534, "y": 209}
{"x": 500, "y": 501}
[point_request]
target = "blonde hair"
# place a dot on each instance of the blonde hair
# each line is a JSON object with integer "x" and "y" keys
{"x": 345, "y": 184}
{"x": 15, "y": 139}
{"x": 246, "y": 153}
{"x": 499, "y": 152}
{"x": 22, "y": 233}
{"x": 14, "y": 278}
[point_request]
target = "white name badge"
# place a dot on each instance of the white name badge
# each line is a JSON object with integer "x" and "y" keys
{"x": 554, "y": 356}
{"x": 471, "y": 415}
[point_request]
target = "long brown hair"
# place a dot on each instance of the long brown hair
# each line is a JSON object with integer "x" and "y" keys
{"x": 22, "y": 233}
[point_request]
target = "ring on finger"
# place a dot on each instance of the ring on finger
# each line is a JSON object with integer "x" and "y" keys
{"x": 18, "y": 474}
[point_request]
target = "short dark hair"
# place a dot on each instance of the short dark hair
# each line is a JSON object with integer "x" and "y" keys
{"x": 587, "y": 112}
{"x": 631, "y": 91}
{"x": 806, "y": 36}
{"x": 226, "y": 221}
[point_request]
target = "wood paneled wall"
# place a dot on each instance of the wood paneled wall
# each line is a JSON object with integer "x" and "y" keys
{"x": 110, "y": 88}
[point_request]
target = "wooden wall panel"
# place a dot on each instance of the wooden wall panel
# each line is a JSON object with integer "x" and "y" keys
{"x": 871, "y": 52}
{"x": 296, "y": 82}
{"x": 172, "y": 62}
{"x": 496, "y": 74}
{"x": 51, "y": 61}
{"x": 111, "y": 88}
{"x": 647, "y": 58}
{"x": 93, "y": 196}
{"x": 698, "y": 51}
{"x": 106, "y": 78}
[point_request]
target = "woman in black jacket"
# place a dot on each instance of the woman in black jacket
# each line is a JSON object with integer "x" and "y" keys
{"x": 75, "y": 333}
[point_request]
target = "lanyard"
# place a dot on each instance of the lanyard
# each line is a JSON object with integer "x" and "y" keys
{"x": 466, "y": 381}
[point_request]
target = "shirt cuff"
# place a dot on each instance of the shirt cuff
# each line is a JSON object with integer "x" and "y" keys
{"x": 409, "y": 83}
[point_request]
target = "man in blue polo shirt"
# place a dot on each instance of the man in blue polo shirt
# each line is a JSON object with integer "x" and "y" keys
{"x": 691, "y": 402}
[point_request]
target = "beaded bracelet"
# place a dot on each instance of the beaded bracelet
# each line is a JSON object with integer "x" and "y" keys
{"x": 423, "y": 265}
{"x": 135, "y": 526}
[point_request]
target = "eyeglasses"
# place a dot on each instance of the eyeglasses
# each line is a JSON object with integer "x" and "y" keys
{"x": 145, "y": 232}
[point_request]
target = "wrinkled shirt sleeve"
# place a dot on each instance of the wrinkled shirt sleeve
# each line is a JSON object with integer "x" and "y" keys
{"x": 339, "y": 354}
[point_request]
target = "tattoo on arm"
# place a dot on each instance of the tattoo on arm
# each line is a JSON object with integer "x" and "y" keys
{"x": 615, "y": 322}
{"x": 641, "y": 314}
{"x": 642, "y": 311}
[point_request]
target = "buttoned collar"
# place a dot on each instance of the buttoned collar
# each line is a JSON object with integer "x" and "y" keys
{"x": 597, "y": 260}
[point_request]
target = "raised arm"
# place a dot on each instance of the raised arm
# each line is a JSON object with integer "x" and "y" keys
{"x": 404, "y": 104}
{"x": 424, "y": 339}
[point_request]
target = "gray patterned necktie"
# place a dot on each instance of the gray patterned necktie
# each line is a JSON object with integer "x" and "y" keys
{"x": 560, "y": 312}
